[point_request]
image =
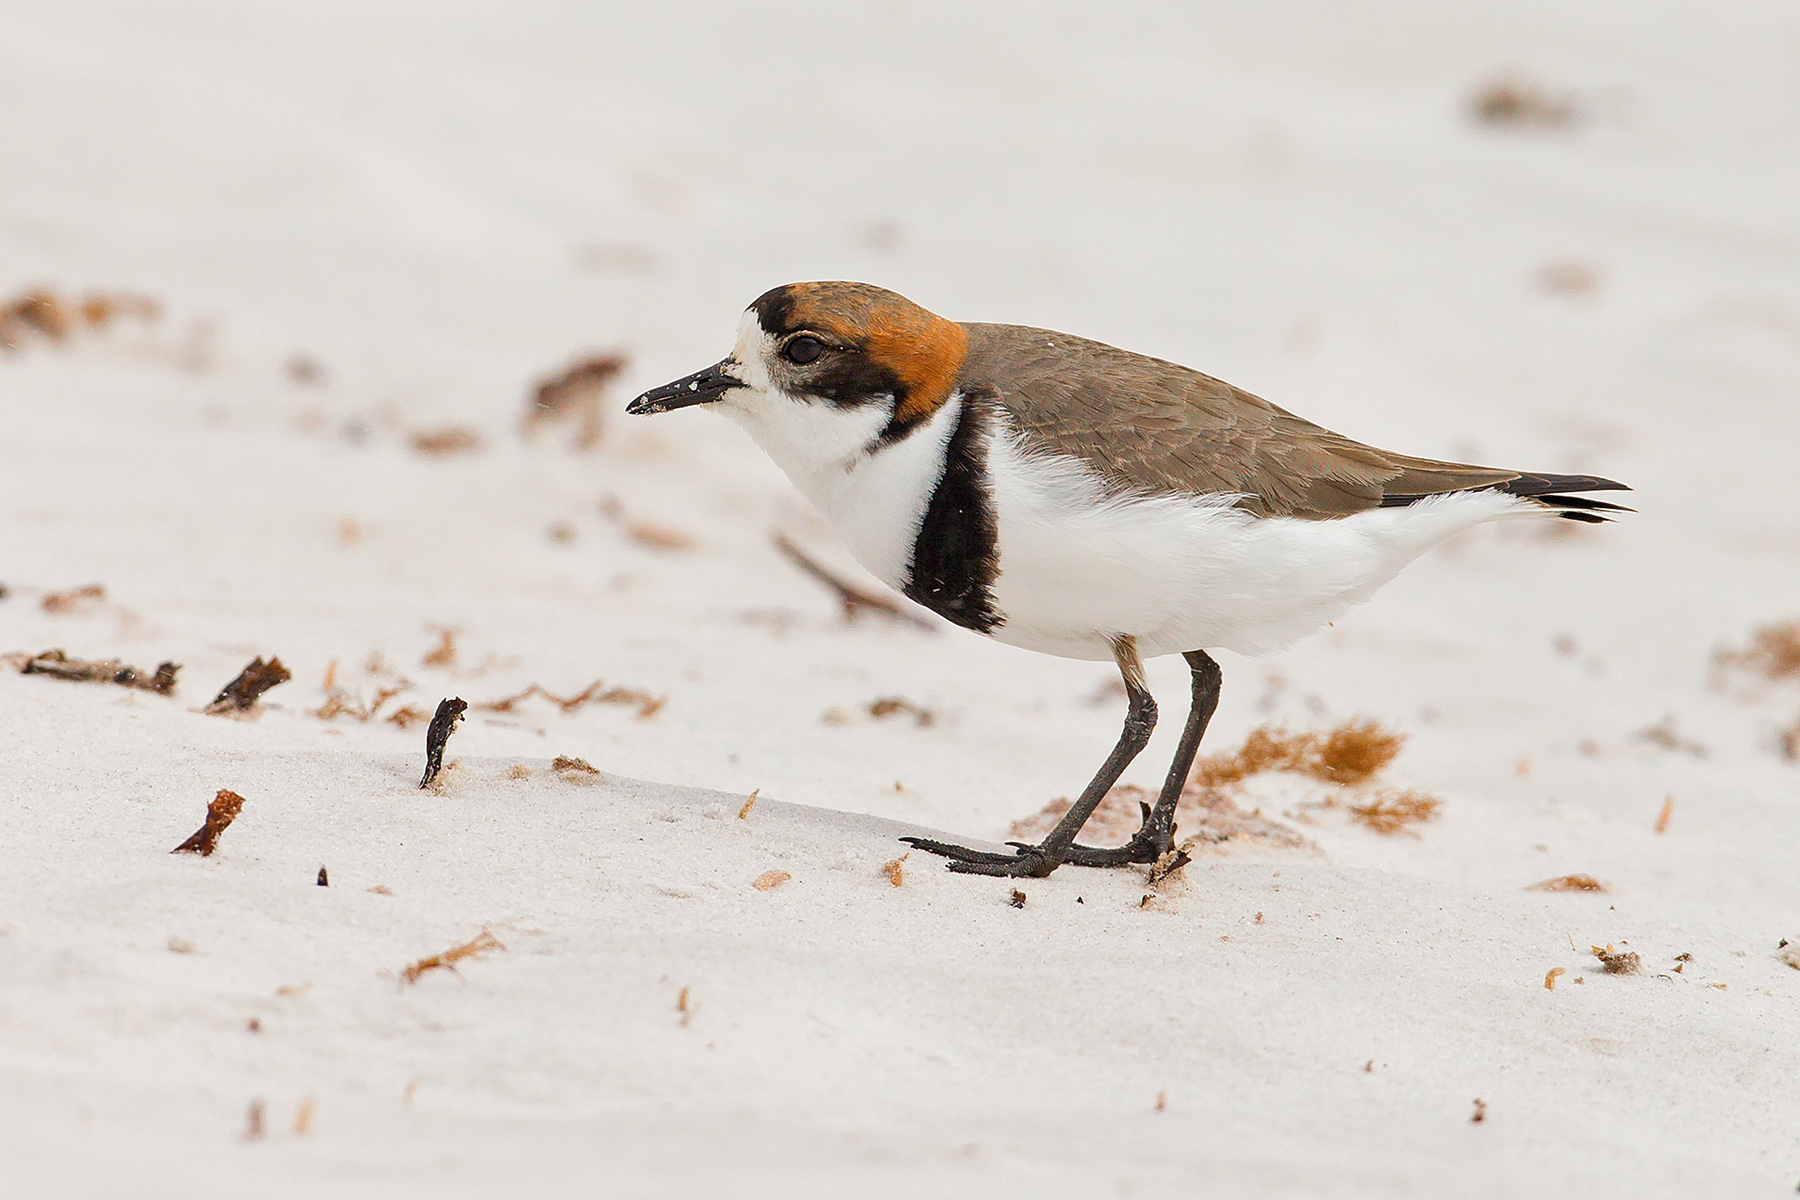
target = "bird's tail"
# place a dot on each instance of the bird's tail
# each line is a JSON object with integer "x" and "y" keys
{"x": 1557, "y": 493}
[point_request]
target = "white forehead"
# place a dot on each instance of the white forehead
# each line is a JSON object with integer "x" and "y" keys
{"x": 753, "y": 350}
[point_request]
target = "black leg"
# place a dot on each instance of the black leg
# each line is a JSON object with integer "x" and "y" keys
{"x": 1043, "y": 858}
{"x": 1157, "y": 834}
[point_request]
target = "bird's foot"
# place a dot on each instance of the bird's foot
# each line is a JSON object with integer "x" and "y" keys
{"x": 1028, "y": 863}
{"x": 1147, "y": 845}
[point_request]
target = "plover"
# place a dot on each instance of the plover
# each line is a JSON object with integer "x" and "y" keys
{"x": 1077, "y": 499}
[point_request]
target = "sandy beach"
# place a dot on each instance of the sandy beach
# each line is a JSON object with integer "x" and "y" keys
{"x": 280, "y": 285}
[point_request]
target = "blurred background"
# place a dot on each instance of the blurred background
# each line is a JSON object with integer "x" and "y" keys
{"x": 329, "y": 251}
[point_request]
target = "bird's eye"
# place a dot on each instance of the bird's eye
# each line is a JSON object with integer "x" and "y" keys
{"x": 803, "y": 350}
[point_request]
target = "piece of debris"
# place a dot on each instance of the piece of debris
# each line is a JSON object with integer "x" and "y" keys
{"x": 770, "y": 879}
{"x": 240, "y": 695}
{"x": 341, "y": 702}
{"x": 443, "y": 723}
{"x": 854, "y": 600}
{"x": 221, "y": 812}
{"x": 444, "y": 653}
{"x": 1773, "y": 653}
{"x": 304, "y": 369}
{"x": 1393, "y": 811}
{"x": 303, "y": 1117}
{"x": 1664, "y": 734}
{"x": 575, "y": 397}
{"x": 518, "y": 771}
{"x": 1521, "y": 104}
{"x": 659, "y": 537}
{"x": 1162, "y": 1101}
{"x": 1551, "y": 976}
{"x": 749, "y": 804}
{"x": 889, "y": 706}
{"x": 1480, "y": 1113}
{"x": 253, "y": 1025}
{"x": 1568, "y": 883}
{"x": 1350, "y": 753}
{"x": 1617, "y": 962}
{"x": 894, "y": 871}
{"x": 648, "y": 705}
{"x": 683, "y": 1007}
{"x": 445, "y": 441}
{"x": 1172, "y": 860}
{"x": 253, "y": 1122}
{"x": 575, "y": 769}
{"x": 324, "y": 879}
{"x": 1569, "y": 278}
{"x": 380, "y": 889}
{"x": 59, "y": 665}
{"x": 72, "y": 599}
{"x": 1662, "y": 818}
{"x": 407, "y": 716}
{"x": 1789, "y": 954}
{"x": 1017, "y": 899}
{"x": 480, "y": 944}
{"x": 1682, "y": 960}
{"x": 53, "y": 317}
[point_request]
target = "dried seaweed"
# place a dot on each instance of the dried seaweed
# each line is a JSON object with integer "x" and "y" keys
{"x": 1665, "y": 735}
{"x": 749, "y": 804}
{"x": 445, "y": 441}
{"x": 574, "y": 397}
{"x": 890, "y": 706}
{"x": 575, "y": 769}
{"x": 220, "y": 813}
{"x": 1522, "y": 104}
{"x": 1568, "y": 883}
{"x": 1551, "y": 976}
{"x": 647, "y": 704}
{"x": 73, "y": 599}
{"x": 1350, "y": 753}
{"x": 770, "y": 879}
{"x": 341, "y": 703}
{"x": 47, "y": 314}
{"x": 1773, "y": 653}
{"x": 894, "y": 869}
{"x": 58, "y": 665}
{"x": 1017, "y": 899}
{"x": 443, "y": 723}
{"x": 240, "y": 695}
{"x": 852, "y": 599}
{"x": 480, "y": 944}
{"x": 1395, "y": 810}
{"x": 1617, "y": 962}
{"x": 444, "y": 653}
{"x": 1668, "y": 811}
{"x": 1208, "y": 813}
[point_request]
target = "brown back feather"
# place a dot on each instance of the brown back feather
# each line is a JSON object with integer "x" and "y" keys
{"x": 1156, "y": 427}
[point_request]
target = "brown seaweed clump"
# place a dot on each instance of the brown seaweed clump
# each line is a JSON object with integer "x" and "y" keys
{"x": 1351, "y": 753}
{"x": 221, "y": 812}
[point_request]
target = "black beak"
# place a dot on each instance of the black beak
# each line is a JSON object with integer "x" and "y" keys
{"x": 702, "y": 387}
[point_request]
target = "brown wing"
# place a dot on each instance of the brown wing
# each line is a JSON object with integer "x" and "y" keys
{"x": 1153, "y": 426}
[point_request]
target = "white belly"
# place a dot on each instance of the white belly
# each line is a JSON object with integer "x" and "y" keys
{"x": 1077, "y": 567}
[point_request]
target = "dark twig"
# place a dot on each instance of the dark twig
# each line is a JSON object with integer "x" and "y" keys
{"x": 59, "y": 665}
{"x": 443, "y": 722}
{"x": 240, "y": 694}
{"x": 853, "y": 599}
{"x": 221, "y": 812}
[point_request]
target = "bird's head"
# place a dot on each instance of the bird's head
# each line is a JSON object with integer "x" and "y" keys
{"x": 819, "y": 356}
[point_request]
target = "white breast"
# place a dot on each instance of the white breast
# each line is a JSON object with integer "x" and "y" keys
{"x": 1188, "y": 573}
{"x": 875, "y": 501}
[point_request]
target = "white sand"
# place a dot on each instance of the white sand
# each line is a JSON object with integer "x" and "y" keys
{"x": 1292, "y": 197}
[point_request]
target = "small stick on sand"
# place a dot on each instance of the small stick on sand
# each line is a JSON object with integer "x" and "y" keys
{"x": 443, "y": 722}
{"x": 1662, "y": 818}
{"x": 59, "y": 665}
{"x": 221, "y": 812}
{"x": 750, "y": 803}
{"x": 240, "y": 694}
{"x": 853, "y": 599}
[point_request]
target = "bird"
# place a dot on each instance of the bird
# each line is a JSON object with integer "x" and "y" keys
{"x": 1076, "y": 499}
